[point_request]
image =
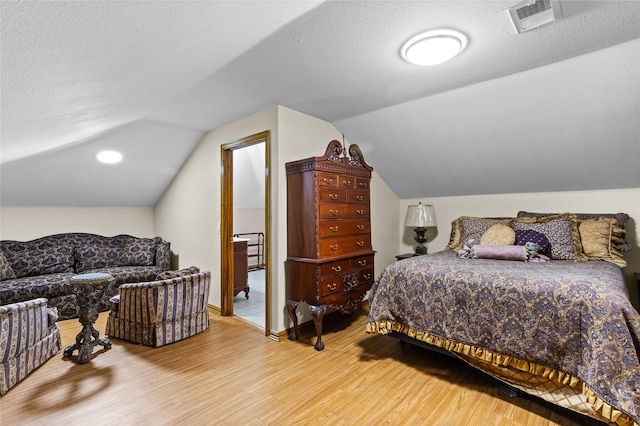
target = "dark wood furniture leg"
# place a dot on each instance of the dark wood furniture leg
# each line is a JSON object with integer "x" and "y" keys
{"x": 317, "y": 312}
{"x": 291, "y": 307}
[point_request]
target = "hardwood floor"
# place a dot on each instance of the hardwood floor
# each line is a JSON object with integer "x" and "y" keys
{"x": 233, "y": 375}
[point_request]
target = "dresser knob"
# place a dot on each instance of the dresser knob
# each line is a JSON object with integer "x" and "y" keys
{"x": 363, "y": 185}
{"x": 333, "y": 228}
{"x": 328, "y": 180}
{"x": 367, "y": 276}
{"x": 362, "y": 262}
{"x": 360, "y": 211}
{"x": 336, "y": 269}
{"x": 346, "y": 182}
{"x": 333, "y": 196}
{"x": 360, "y": 226}
{"x": 332, "y": 286}
{"x": 359, "y": 197}
{"x": 334, "y": 247}
{"x": 360, "y": 243}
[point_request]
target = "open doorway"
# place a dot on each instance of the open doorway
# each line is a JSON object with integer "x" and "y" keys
{"x": 245, "y": 229}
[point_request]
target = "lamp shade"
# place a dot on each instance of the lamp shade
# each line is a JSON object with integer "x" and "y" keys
{"x": 420, "y": 216}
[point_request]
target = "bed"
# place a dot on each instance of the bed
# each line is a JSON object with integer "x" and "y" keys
{"x": 563, "y": 330}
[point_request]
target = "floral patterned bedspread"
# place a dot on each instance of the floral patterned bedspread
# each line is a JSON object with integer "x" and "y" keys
{"x": 573, "y": 317}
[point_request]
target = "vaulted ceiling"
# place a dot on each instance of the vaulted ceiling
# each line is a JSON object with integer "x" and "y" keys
{"x": 551, "y": 109}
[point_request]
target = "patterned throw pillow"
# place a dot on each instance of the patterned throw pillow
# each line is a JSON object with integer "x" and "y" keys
{"x": 596, "y": 237}
{"x": 498, "y": 235}
{"x": 6, "y": 273}
{"x": 138, "y": 252}
{"x": 465, "y": 228}
{"x": 561, "y": 231}
{"x": 167, "y": 275}
{"x": 529, "y": 235}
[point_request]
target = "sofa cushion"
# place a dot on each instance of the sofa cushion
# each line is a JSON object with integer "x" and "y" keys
{"x": 97, "y": 254}
{"x": 38, "y": 257}
{"x": 138, "y": 252}
{"x": 26, "y": 288}
{"x": 6, "y": 272}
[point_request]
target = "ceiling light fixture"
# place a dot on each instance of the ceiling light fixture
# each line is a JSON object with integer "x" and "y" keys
{"x": 433, "y": 47}
{"x": 109, "y": 157}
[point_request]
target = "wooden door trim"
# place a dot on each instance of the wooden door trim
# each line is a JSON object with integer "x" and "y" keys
{"x": 226, "y": 219}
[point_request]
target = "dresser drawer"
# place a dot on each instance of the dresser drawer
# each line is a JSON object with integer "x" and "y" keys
{"x": 348, "y": 182}
{"x": 365, "y": 276}
{"x": 331, "y": 195}
{"x": 343, "y": 211}
{"x": 330, "y": 285}
{"x": 358, "y": 197}
{"x": 362, "y": 183}
{"x": 327, "y": 179}
{"x": 361, "y": 262}
{"x": 343, "y": 245}
{"x": 338, "y": 228}
{"x": 333, "y": 268}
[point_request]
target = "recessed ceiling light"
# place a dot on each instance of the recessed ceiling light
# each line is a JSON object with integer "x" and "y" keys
{"x": 109, "y": 157}
{"x": 433, "y": 47}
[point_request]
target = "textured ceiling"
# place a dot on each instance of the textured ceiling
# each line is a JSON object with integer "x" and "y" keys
{"x": 152, "y": 77}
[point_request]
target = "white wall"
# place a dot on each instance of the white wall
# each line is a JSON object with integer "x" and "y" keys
{"x": 28, "y": 223}
{"x": 508, "y": 205}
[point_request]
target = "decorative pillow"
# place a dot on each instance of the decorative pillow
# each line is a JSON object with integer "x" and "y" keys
{"x": 531, "y": 236}
{"x": 618, "y": 232}
{"x": 465, "y": 228}
{"x": 138, "y": 252}
{"x": 498, "y": 235}
{"x": 528, "y": 253}
{"x": 167, "y": 275}
{"x": 95, "y": 256}
{"x": 6, "y": 272}
{"x": 561, "y": 231}
{"x": 596, "y": 238}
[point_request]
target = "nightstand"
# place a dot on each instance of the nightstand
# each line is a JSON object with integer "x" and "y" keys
{"x": 407, "y": 256}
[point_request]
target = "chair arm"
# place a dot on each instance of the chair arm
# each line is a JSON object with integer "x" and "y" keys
{"x": 22, "y": 324}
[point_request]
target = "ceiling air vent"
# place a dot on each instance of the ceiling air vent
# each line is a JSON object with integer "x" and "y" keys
{"x": 534, "y": 13}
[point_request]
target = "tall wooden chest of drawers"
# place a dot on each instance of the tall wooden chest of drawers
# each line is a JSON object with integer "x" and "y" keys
{"x": 329, "y": 252}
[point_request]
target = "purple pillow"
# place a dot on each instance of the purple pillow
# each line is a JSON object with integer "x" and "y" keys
{"x": 529, "y": 235}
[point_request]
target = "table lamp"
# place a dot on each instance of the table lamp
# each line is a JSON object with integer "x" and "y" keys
{"x": 420, "y": 217}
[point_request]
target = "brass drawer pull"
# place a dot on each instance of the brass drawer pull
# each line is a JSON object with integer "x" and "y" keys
{"x": 333, "y": 228}
{"x": 334, "y": 247}
{"x": 334, "y": 212}
{"x": 359, "y": 211}
{"x": 360, "y": 226}
{"x": 360, "y": 243}
{"x": 359, "y": 197}
{"x": 346, "y": 182}
{"x": 362, "y": 262}
{"x": 332, "y": 286}
{"x": 328, "y": 180}
{"x": 367, "y": 276}
{"x": 333, "y": 196}
{"x": 336, "y": 269}
{"x": 363, "y": 185}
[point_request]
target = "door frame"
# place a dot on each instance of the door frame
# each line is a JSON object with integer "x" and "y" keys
{"x": 226, "y": 227}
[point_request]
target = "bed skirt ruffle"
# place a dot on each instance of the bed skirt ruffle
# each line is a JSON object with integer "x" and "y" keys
{"x": 477, "y": 356}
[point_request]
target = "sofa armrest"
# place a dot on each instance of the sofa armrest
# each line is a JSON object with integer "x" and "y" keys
{"x": 163, "y": 255}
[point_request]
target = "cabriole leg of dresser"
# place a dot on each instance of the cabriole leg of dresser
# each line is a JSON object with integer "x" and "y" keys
{"x": 317, "y": 312}
{"x": 291, "y": 307}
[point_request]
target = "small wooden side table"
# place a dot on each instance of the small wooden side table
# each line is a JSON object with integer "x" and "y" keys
{"x": 407, "y": 256}
{"x": 89, "y": 289}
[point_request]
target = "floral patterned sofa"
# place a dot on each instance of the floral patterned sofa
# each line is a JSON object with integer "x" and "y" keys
{"x": 42, "y": 267}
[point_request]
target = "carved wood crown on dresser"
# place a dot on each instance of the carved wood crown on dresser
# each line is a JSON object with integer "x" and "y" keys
{"x": 329, "y": 252}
